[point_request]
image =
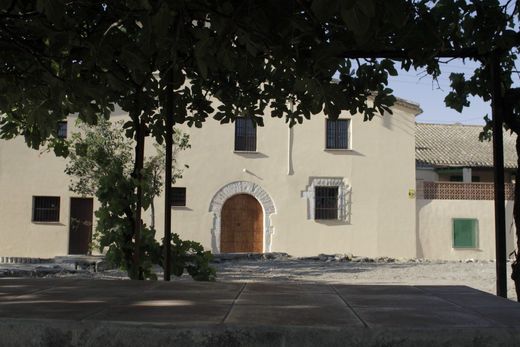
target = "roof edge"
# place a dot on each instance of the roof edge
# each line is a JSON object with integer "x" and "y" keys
{"x": 411, "y": 105}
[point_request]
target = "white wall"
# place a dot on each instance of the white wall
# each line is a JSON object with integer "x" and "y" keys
{"x": 25, "y": 173}
{"x": 434, "y": 228}
{"x": 380, "y": 169}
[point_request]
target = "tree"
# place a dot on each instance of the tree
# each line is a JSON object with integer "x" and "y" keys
{"x": 100, "y": 156}
{"x": 85, "y": 57}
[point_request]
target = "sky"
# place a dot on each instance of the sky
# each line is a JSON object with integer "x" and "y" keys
{"x": 430, "y": 95}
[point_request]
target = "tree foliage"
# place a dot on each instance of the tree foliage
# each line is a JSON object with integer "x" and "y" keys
{"x": 325, "y": 56}
{"x": 100, "y": 164}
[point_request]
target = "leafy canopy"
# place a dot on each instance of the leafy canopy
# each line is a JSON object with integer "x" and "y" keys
{"x": 100, "y": 165}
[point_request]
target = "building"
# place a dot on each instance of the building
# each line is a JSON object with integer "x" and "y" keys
{"x": 320, "y": 187}
{"x": 388, "y": 187}
{"x": 455, "y": 192}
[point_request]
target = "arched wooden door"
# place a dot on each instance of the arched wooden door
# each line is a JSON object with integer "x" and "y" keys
{"x": 242, "y": 225}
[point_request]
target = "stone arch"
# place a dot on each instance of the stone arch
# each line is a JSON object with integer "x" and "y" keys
{"x": 241, "y": 187}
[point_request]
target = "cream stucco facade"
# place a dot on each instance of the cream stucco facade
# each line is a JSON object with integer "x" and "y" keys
{"x": 374, "y": 177}
{"x": 435, "y": 228}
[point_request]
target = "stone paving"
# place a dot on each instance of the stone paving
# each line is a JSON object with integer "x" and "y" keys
{"x": 53, "y": 312}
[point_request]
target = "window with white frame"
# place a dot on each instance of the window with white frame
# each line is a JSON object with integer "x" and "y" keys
{"x": 327, "y": 199}
{"x": 337, "y": 134}
{"x": 326, "y": 202}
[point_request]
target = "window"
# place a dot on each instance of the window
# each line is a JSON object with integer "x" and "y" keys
{"x": 46, "y": 209}
{"x": 465, "y": 233}
{"x": 178, "y": 196}
{"x": 62, "y": 130}
{"x": 458, "y": 178}
{"x": 337, "y": 134}
{"x": 328, "y": 198}
{"x": 245, "y": 135}
{"x": 326, "y": 202}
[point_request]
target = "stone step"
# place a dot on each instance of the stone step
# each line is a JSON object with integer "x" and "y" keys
{"x": 24, "y": 260}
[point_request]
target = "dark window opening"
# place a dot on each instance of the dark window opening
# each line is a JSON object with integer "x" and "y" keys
{"x": 46, "y": 209}
{"x": 245, "y": 135}
{"x": 337, "y": 133}
{"x": 458, "y": 178}
{"x": 178, "y": 196}
{"x": 62, "y": 130}
{"x": 326, "y": 202}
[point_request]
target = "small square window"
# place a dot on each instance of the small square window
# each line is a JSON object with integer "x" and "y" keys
{"x": 338, "y": 133}
{"x": 465, "y": 233}
{"x": 245, "y": 135}
{"x": 178, "y": 196}
{"x": 62, "y": 130}
{"x": 326, "y": 203}
{"x": 46, "y": 209}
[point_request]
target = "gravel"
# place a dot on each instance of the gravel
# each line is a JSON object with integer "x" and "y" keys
{"x": 337, "y": 269}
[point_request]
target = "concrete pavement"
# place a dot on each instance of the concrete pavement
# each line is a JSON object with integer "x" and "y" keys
{"x": 72, "y": 312}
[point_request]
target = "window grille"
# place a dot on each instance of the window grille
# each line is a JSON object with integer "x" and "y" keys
{"x": 326, "y": 202}
{"x": 245, "y": 135}
{"x": 178, "y": 196}
{"x": 62, "y": 130}
{"x": 337, "y": 133}
{"x": 46, "y": 209}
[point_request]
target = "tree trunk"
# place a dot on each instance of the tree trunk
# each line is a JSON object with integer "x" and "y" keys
{"x": 168, "y": 175}
{"x": 137, "y": 272}
{"x": 515, "y": 275}
{"x": 152, "y": 213}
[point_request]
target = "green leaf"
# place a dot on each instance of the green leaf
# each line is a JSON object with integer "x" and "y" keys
{"x": 367, "y": 7}
{"x": 324, "y": 9}
{"x": 161, "y": 20}
{"x": 355, "y": 20}
{"x": 53, "y": 9}
{"x": 388, "y": 65}
{"x": 201, "y": 55}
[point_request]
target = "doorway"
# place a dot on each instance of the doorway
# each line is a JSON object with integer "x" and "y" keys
{"x": 80, "y": 225}
{"x": 242, "y": 225}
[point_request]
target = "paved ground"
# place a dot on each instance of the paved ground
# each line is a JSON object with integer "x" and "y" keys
{"x": 475, "y": 274}
{"x": 56, "y": 312}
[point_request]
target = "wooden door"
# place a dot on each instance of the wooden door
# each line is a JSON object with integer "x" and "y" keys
{"x": 80, "y": 225}
{"x": 242, "y": 225}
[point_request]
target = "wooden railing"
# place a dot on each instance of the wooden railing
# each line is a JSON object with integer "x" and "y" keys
{"x": 463, "y": 191}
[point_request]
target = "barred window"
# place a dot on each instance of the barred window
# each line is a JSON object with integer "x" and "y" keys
{"x": 326, "y": 202}
{"x": 245, "y": 135}
{"x": 337, "y": 133}
{"x": 178, "y": 196}
{"x": 46, "y": 209}
{"x": 62, "y": 130}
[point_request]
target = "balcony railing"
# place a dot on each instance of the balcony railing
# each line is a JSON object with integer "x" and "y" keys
{"x": 463, "y": 191}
